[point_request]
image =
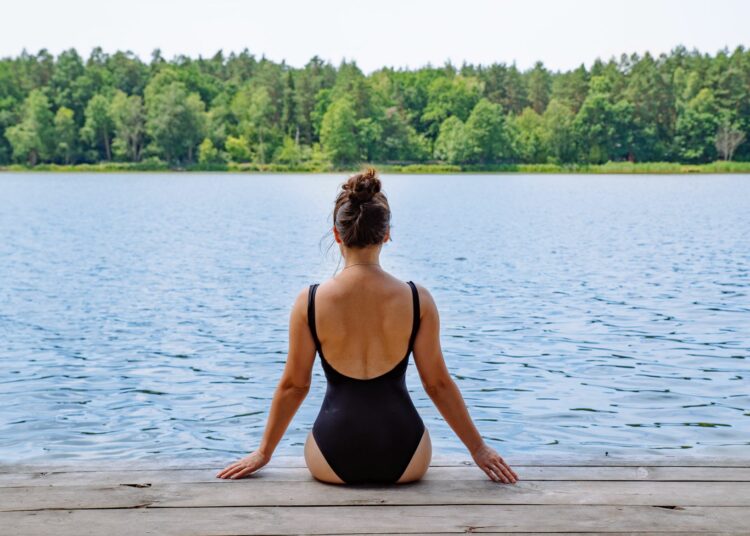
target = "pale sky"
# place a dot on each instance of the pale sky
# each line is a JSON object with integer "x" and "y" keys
{"x": 563, "y": 33}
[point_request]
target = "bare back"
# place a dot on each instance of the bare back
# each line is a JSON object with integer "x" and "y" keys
{"x": 364, "y": 321}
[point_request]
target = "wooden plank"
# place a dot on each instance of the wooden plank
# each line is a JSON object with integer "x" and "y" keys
{"x": 272, "y": 473}
{"x": 458, "y": 492}
{"x": 437, "y": 461}
{"x": 374, "y": 519}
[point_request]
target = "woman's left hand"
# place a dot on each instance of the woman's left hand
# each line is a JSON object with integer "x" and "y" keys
{"x": 241, "y": 468}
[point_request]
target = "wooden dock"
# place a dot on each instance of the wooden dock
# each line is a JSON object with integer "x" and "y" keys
{"x": 665, "y": 495}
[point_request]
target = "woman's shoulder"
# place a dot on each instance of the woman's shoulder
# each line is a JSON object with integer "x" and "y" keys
{"x": 426, "y": 301}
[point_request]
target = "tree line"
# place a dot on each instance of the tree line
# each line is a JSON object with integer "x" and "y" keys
{"x": 684, "y": 106}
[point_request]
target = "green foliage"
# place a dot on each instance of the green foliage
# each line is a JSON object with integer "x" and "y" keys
{"x": 99, "y": 126}
{"x": 292, "y": 153}
{"x": 528, "y": 132}
{"x": 487, "y": 139}
{"x": 128, "y": 117}
{"x": 450, "y": 97}
{"x": 66, "y": 135}
{"x": 603, "y": 125}
{"x": 208, "y": 153}
{"x": 175, "y": 121}
{"x": 696, "y": 128}
{"x": 33, "y": 138}
{"x": 338, "y": 132}
{"x": 238, "y": 149}
{"x": 254, "y": 110}
{"x": 451, "y": 145}
{"x": 557, "y": 134}
{"x": 259, "y": 114}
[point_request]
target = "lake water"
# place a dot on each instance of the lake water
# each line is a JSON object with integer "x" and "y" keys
{"x": 145, "y": 315}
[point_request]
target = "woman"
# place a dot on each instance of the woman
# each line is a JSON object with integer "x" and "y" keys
{"x": 368, "y": 429}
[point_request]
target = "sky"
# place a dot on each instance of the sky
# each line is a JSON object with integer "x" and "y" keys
{"x": 395, "y": 33}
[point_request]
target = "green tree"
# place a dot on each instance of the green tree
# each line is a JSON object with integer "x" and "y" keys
{"x": 208, "y": 153}
{"x": 451, "y": 145}
{"x": 176, "y": 122}
{"x": 290, "y": 152}
{"x": 603, "y": 128}
{"x": 486, "y": 134}
{"x": 557, "y": 132}
{"x": 99, "y": 126}
{"x": 66, "y": 135}
{"x": 316, "y": 76}
{"x": 399, "y": 140}
{"x": 529, "y": 136}
{"x": 254, "y": 109}
{"x": 338, "y": 132}
{"x": 128, "y": 117}
{"x": 696, "y": 128}
{"x": 447, "y": 97}
{"x": 33, "y": 138}
{"x": 540, "y": 84}
{"x": 238, "y": 149}
{"x": 505, "y": 86}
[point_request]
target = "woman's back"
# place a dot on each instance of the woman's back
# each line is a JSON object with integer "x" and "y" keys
{"x": 364, "y": 322}
{"x": 368, "y": 428}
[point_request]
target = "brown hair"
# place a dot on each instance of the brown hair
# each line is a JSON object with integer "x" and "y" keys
{"x": 361, "y": 214}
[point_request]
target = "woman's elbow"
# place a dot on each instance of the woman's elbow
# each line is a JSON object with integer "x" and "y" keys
{"x": 295, "y": 386}
{"x": 437, "y": 386}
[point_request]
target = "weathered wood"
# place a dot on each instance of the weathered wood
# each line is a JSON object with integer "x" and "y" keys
{"x": 447, "y": 492}
{"x": 437, "y": 461}
{"x": 677, "y": 496}
{"x": 273, "y": 473}
{"x": 374, "y": 519}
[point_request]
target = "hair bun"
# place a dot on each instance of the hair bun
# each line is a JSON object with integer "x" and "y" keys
{"x": 363, "y": 186}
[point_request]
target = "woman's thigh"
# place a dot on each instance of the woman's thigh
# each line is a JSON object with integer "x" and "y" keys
{"x": 420, "y": 461}
{"x": 317, "y": 464}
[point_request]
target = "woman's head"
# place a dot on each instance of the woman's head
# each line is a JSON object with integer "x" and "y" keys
{"x": 361, "y": 214}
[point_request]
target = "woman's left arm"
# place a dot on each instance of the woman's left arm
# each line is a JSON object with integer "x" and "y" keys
{"x": 290, "y": 392}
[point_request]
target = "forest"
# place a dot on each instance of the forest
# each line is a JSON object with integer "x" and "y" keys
{"x": 685, "y": 106}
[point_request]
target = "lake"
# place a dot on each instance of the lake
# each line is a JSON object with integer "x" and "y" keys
{"x": 145, "y": 316}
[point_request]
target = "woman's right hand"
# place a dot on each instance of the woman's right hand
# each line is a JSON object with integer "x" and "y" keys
{"x": 247, "y": 465}
{"x": 493, "y": 464}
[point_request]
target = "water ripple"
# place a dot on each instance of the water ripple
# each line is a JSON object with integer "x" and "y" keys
{"x": 145, "y": 316}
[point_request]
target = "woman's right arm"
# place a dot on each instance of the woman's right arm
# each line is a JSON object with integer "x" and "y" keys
{"x": 440, "y": 387}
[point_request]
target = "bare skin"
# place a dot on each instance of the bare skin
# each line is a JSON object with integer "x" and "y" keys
{"x": 363, "y": 294}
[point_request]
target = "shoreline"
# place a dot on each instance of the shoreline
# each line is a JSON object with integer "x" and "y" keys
{"x": 610, "y": 168}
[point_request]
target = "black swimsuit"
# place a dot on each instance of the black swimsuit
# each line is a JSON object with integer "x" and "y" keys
{"x": 367, "y": 429}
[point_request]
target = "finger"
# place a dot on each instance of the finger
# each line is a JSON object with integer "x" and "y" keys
{"x": 244, "y": 472}
{"x": 232, "y": 471}
{"x": 220, "y": 474}
{"x": 238, "y": 470}
{"x": 498, "y": 466}
{"x": 512, "y": 472}
{"x": 503, "y": 467}
{"x": 226, "y": 469}
{"x": 490, "y": 474}
{"x": 494, "y": 475}
{"x": 499, "y": 471}
{"x": 507, "y": 467}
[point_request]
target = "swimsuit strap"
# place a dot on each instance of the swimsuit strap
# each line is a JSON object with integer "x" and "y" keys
{"x": 311, "y": 315}
{"x": 415, "y": 321}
